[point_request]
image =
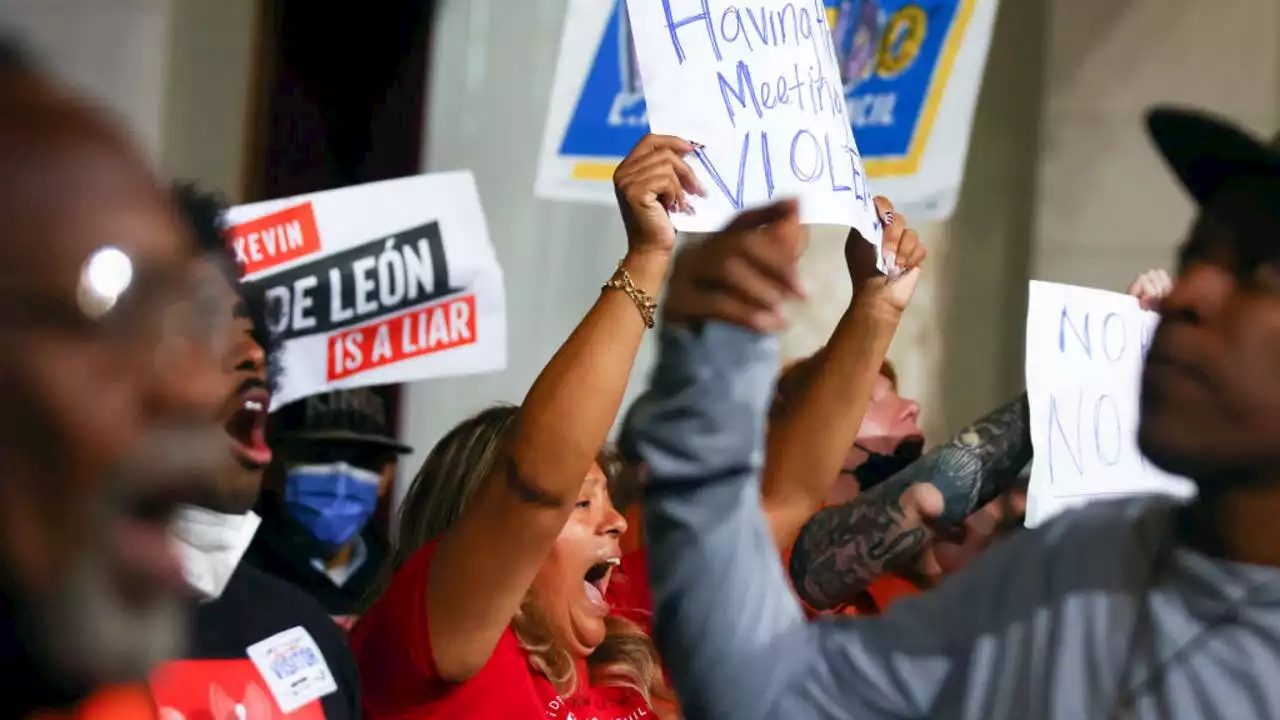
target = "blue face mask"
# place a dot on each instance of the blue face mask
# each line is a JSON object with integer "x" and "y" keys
{"x": 333, "y": 502}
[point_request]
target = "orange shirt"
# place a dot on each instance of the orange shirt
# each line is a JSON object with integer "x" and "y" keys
{"x": 885, "y": 591}
{"x": 131, "y": 702}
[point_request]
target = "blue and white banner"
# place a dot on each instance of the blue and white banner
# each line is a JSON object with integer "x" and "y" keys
{"x": 911, "y": 69}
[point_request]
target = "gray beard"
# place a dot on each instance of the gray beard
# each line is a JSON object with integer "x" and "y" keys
{"x": 90, "y": 637}
{"x": 84, "y": 632}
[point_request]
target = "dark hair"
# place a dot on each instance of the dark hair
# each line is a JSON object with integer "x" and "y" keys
{"x": 203, "y": 212}
{"x": 14, "y": 56}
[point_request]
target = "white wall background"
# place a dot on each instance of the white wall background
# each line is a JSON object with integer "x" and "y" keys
{"x": 176, "y": 72}
{"x": 115, "y": 51}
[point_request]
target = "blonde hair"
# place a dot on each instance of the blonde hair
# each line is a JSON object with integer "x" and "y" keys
{"x": 444, "y": 485}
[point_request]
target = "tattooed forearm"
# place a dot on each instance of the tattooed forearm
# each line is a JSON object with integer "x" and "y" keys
{"x": 843, "y": 548}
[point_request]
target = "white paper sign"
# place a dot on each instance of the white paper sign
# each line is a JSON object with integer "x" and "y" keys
{"x": 758, "y": 86}
{"x": 375, "y": 284}
{"x": 911, "y": 73}
{"x": 1085, "y": 350}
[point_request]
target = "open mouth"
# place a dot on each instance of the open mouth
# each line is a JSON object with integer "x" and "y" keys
{"x": 596, "y": 581}
{"x": 247, "y": 429}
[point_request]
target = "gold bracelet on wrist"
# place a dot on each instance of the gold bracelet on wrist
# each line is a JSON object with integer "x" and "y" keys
{"x": 644, "y": 302}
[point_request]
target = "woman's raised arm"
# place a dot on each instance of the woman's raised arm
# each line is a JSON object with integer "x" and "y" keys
{"x": 485, "y": 564}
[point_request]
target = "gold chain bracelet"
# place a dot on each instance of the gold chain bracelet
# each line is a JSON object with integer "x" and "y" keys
{"x": 644, "y": 302}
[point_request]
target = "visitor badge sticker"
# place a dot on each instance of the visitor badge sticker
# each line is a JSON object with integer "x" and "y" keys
{"x": 293, "y": 667}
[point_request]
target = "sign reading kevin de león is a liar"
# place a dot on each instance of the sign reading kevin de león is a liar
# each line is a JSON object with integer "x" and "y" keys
{"x": 388, "y": 282}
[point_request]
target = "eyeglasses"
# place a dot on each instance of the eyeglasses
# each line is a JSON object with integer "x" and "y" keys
{"x": 119, "y": 300}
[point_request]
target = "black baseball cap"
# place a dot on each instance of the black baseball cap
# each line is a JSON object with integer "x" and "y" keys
{"x": 356, "y": 416}
{"x": 1205, "y": 150}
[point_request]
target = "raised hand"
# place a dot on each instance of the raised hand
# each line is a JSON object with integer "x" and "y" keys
{"x": 1150, "y": 288}
{"x": 740, "y": 275}
{"x": 903, "y": 253}
{"x": 651, "y": 182}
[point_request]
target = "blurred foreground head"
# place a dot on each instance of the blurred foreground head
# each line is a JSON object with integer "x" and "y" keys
{"x": 1211, "y": 383}
{"x": 111, "y": 389}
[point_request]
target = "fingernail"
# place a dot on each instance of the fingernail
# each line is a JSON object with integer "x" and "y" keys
{"x": 888, "y": 218}
{"x": 891, "y": 258}
{"x": 697, "y": 188}
{"x": 696, "y": 145}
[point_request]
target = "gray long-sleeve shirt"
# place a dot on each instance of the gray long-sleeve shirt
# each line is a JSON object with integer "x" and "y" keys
{"x": 1068, "y": 621}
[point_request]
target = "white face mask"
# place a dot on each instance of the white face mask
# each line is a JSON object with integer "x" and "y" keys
{"x": 211, "y": 544}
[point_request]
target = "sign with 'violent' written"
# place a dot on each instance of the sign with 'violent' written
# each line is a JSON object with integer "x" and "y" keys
{"x": 909, "y": 72}
{"x": 757, "y": 88}
{"x": 375, "y": 284}
{"x": 1085, "y": 350}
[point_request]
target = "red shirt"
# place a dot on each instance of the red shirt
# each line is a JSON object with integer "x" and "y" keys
{"x": 628, "y": 592}
{"x": 393, "y": 650}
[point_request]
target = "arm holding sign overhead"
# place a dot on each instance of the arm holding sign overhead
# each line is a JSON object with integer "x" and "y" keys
{"x": 809, "y": 440}
{"x": 480, "y": 577}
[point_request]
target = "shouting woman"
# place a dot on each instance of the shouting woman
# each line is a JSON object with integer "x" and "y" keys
{"x": 508, "y": 537}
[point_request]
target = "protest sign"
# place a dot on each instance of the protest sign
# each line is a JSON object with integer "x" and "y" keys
{"x": 388, "y": 282}
{"x": 910, "y": 72}
{"x": 1085, "y": 350}
{"x": 757, "y": 87}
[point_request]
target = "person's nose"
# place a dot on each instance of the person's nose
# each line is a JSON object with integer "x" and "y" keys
{"x": 1199, "y": 293}
{"x": 614, "y": 523}
{"x": 248, "y": 356}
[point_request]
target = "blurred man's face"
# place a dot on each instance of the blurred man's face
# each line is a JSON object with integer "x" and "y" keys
{"x": 1211, "y": 383}
{"x": 111, "y": 389}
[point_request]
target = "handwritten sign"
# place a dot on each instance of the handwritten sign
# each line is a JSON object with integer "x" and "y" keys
{"x": 376, "y": 284}
{"x": 758, "y": 86}
{"x": 1085, "y": 350}
{"x": 910, "y": 72}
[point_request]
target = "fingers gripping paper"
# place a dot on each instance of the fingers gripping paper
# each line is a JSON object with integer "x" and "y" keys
{"x": 758, "y": 87}
{"x": 1085, "y": 350}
